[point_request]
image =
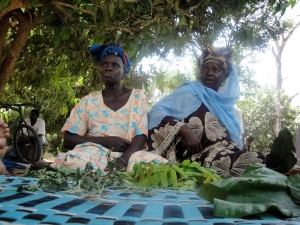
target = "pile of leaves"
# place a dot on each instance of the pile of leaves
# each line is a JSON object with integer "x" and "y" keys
{"x": 258, "y": 190}
{"x": 76, "y": 182}
{"x": 146, "y": 176}
{"x": 179, "y": 176}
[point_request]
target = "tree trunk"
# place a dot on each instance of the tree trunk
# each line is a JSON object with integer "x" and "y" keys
{"x": 18, "y": 19}
{"x": 278, "y": 106}
{"x": 278, "y": 54}
{"x": 22, "y": 23}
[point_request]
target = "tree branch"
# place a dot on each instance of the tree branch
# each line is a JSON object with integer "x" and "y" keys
{"x": 63, "y": 12}
{"x": 289, "y": 101}
{"x": 72, "y": 7}
{"x": 18, "y": 4}
{"x": 3, "y": 32}
{"x": 125, "y": 28}
{"x": 290, "y": 33}
{"x": 36, "y": 19}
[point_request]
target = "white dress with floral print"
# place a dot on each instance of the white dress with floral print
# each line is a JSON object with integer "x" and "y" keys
{"x": 91, "y": 117}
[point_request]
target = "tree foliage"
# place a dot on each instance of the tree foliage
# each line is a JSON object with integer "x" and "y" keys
{"x": 277, "y": 53}
{"x": 153, "y": 27}
{"x": 163, "y": 82}
{"x": 259, "y": 116}
{"x": 44, "y": 43}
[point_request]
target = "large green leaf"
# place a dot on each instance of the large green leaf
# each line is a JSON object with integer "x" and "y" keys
{"x": 232, "y": 209}
{"x": 259, "y": 190}
{"x": 294, "y": 186}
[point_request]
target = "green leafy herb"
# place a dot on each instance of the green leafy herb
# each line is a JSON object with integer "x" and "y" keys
{"x": 76, "y": 182}
{"x": 179, "y": 176}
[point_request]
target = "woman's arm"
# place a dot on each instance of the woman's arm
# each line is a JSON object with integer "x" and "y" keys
{"x": 114, "y": 143}
{"x": 139, "y": 139}
{"x": 191, "y": 139}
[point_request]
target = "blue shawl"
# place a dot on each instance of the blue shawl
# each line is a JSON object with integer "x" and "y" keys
{"x": 188, "y": 97}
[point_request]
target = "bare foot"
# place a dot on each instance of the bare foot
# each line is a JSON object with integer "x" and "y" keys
{"x": 121, "y": 164}
{"x": 40, "y": 165}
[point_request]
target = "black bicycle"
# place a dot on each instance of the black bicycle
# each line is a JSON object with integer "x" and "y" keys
{"x": 26, "y": 141}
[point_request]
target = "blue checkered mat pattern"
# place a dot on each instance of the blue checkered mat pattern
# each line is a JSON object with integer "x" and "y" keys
{"x": 115, "y": 207}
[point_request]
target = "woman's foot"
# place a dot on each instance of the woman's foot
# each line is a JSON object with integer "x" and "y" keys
{"x": 121, "y": 164}
{"x": 40, "y": 165}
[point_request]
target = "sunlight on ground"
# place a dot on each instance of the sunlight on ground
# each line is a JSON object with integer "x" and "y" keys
{"x": 48, "y": 157}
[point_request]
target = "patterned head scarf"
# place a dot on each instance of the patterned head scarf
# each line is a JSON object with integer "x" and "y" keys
{"x": 221, "y": 56}
{"x": 99, "y": 51}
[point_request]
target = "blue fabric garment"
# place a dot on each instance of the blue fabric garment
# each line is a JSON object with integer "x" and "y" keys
{"x": 189, "y": 96}
{"x": 99, "y": 51}
{"x": 10, "y": 166}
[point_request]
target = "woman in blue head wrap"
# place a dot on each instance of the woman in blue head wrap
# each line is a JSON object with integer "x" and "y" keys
{"x": 197, "y": 121}
{"x": 107, "y": 124}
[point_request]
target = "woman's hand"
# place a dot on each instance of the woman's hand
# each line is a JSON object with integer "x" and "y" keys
{"x": 116, "y": 144}
{"x": 192, "y": 141}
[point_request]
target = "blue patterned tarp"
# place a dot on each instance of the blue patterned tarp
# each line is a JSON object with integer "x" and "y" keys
{"x": 115, "y": 207}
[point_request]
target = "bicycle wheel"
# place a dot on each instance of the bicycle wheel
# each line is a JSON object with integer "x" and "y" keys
{"x": 28, "y": 148}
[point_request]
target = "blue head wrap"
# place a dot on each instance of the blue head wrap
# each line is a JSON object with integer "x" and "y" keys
{"x": 99, "y": 51}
